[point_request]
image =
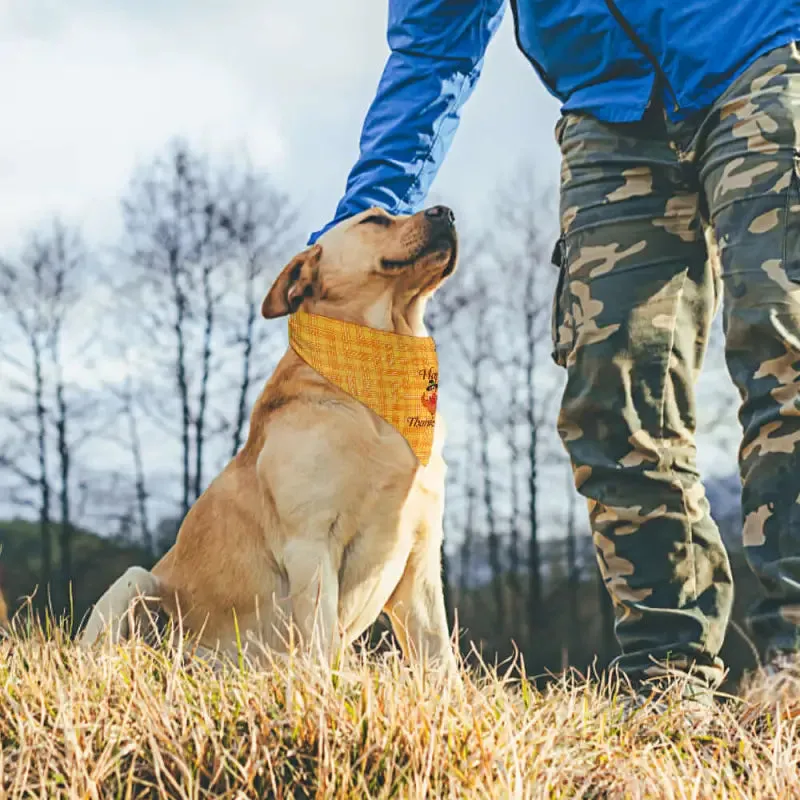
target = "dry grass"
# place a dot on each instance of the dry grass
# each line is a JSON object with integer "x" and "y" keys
{"x": 135, "y": 721}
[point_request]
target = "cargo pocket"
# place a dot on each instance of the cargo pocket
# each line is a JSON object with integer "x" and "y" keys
{"x": 791, "y": 228}
{"x": 561, "y": 317}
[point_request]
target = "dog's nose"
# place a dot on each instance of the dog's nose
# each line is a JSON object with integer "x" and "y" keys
{"x": 441, "y": 213}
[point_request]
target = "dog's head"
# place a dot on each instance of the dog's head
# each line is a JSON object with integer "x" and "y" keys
{"x": 373, "y": 269}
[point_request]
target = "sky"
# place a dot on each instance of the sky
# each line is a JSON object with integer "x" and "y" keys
{"x": 93, "y": 87}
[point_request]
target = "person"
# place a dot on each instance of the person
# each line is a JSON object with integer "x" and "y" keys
{"x": 677, "y": 118}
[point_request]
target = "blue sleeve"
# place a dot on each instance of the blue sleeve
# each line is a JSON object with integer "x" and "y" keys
{"x": 437, "y": 49}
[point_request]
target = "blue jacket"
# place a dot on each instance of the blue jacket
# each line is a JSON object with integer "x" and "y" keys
{"x": 604, "y": 57}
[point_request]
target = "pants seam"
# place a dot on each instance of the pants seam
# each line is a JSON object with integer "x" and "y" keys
{"x": 662, "y": 413}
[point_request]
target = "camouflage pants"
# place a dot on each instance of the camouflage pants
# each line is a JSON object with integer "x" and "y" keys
{"x": 636, "y": 297}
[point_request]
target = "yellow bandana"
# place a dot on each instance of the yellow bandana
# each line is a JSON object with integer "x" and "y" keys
{"x": 395, "y": 376}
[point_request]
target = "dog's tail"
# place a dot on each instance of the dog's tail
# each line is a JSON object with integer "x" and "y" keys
{"x": 115, "y": 609}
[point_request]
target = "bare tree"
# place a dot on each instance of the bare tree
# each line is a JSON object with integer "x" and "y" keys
{"x": 64, "y": 252}
{"x": 532, "y": 312}
{"x": 201, "y": 237}
{"x": 481, "y": 359}
{"x": 246, "y": 342}
{"x": 520, "y": 248}
{"x": 209, "y": 262}
{"x": 515, "y": 500}
{"x": 262, "y": 231}
{"x": 38, "y": 290}
{"x": 171, "y": 220}
{"x": 22, "y": 292}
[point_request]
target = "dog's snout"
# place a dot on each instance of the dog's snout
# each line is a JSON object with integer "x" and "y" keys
{"x": 441, "y": 214}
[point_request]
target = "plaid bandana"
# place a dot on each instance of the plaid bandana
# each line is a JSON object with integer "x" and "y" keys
{"x": 395, "y": 376}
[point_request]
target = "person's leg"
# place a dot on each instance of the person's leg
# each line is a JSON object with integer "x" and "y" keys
{"x": 750, "y": 167}
{"x": 631, "y": 325}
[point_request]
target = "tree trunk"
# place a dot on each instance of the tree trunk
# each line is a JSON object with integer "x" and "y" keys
{"x": 46, "y": 573}
{"x": 179, "y": 298}
{"x": 199, "y": 428}
{"x": 247, "y": 354}
{"x": 573, "y": 578}
{"x": 534, "y": 556}
{"x": 513, "y": 539}
{"x": 65, "y": 530}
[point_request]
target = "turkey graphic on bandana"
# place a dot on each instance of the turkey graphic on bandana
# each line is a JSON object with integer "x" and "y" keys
{"x": 429, "y": 396}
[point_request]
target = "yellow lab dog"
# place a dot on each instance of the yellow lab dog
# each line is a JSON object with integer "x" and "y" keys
{"x": 4, "y": 624}
{"x": 4, "y": 621}
{"x": 326, "y": 517}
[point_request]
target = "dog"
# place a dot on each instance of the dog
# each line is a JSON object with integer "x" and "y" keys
{"x": 5, "y": 623}
{"x": 325, "y": 518}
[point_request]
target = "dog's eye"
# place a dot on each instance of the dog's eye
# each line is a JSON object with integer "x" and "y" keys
{"x": 377, "y": 219}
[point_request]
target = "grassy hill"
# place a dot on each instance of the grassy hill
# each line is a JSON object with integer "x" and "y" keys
{"x": 137, "y": 722}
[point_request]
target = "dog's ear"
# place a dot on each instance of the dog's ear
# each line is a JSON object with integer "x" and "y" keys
{"x": 293, "y": 285}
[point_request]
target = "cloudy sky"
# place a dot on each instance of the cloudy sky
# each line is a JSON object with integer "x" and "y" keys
{"x": 90, "y": 87}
